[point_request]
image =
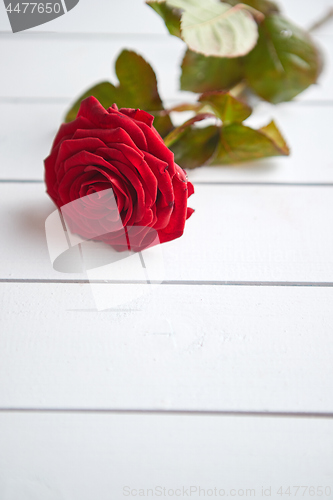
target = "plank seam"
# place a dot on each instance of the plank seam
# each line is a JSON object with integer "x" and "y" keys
{"x": 236, "y": 413}
{"x": 66, "y": 100}
{"x": 106, "y": 34}
{"x": 321, "y": 284}
{"x": 85, "y": 34}
{"x": 206, "y": 183}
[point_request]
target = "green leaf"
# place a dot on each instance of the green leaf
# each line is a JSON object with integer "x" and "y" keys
{"x": 240, "y": 143}
{"x": 196, "y": 146}
{"x": 229, "y": 144}
{"x": 284, "y": 62}
{"x": 177, "y": 132}
{"x": 216, "y": 29}
{"x": 265, "y": 6}
{"x": 203, "y": 74}
{"x": 170, "y": 15}
{"x": 226, "y": 107}
{"x": 137, "y": 89}
{"x": 272, "y": 132}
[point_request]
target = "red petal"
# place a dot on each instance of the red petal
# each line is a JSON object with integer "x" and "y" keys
{"x": 139, "y": 115}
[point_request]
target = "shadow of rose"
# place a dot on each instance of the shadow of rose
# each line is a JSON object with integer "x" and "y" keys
{"x": 30, "y": 221}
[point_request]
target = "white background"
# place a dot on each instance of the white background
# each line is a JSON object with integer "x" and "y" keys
{"x": 222, "y": 377}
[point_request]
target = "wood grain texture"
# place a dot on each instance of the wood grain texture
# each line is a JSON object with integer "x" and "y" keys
{"x": 201, "y": 348}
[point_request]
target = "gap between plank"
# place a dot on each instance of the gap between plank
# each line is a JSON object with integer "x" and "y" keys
{"x": 233, "y": 413}
{"x": 83, "y": 34}
{"x": 322, "y": 284}
{"x": 67, "y": 100}
{"x": 106, "y": 34}
{"x": 205, "y": 183}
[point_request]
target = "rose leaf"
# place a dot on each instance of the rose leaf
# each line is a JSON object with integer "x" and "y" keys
{"x": 226, "y": 107}
{"x": 203, "y": 74}
{"x": 132, "y": 92}
{"x": 169, "y": 14}
{"x": 284, "y": 62}
{"x": 196, "y": 146}
{"x": 272, "y": 132}
{"x": 265, "y": 6}
{"x": 178, "y": 132}
{"x": 240, "y": 143}
{"x": 216, "y": 28}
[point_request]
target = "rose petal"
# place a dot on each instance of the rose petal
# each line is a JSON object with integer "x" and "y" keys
{"x": 122, "y": 181}
{"x": 92, "y": 110}
{"x": 175, "y": 228}
{"x": 139, "y": 115}
{"x": 190, "y": 189}
{"x": 66, "y": 130}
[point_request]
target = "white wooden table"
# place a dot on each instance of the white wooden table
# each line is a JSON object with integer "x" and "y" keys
{"x": 221, "y": 377}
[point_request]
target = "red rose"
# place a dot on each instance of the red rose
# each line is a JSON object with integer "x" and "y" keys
{"x": 119, "y": 149}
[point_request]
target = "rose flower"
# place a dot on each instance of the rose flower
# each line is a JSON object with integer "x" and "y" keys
{"x": 118, "y": 152}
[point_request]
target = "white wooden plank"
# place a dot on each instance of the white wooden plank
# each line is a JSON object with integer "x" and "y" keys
{"x": 63, "y": 66}
{"x": 127, "y": 16}
{"x": 26, "y": 134}
{"x": 306, "y": 128}
{"x": 175, "y": 348}
{"x": 132, "y": 16}
{"x": 179, "y": 346}
{"x": 25, "y": 214}
{"x": 66, "y": 457}
{"x": 238, "y": 233}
